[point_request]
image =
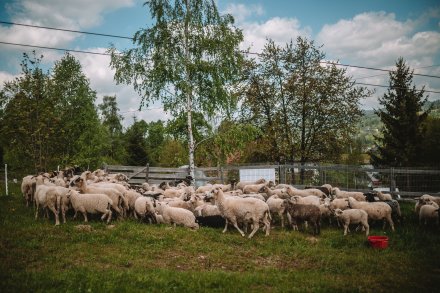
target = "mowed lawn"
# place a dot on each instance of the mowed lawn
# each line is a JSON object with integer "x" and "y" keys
{"x": 36, "y": 256}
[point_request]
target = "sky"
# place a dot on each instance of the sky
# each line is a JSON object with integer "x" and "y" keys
{"x": 369, "y": 33}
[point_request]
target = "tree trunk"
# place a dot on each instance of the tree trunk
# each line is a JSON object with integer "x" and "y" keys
{"x": 189, "y": 98}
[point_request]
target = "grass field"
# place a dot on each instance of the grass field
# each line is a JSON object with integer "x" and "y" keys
{"x": 36, "y": 256}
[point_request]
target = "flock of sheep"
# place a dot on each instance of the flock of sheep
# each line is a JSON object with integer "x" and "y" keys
{"x": 247, "y": 204}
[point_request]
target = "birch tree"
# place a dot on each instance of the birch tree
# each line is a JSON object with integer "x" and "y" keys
{"x": 185, "y": 59}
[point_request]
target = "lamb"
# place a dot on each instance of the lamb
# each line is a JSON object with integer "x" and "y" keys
{"x": 116, "y": 197}
{"x": 304, "y": 212}
{"x": 359, "y": 196}
{"x": 353, "y": 216}
{"x": 276, "y": 205}
{"x": 429, "y": 212}
{"x": 144, "y": 208}
{"x": 91, "y": 203}
{"x": 375, "y": 210}
{"x": 235, "y": 209}
{"x": 176, "y": 216}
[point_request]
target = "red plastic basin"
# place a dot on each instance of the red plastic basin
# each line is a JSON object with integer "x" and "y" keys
{"x": 380, "y": 242}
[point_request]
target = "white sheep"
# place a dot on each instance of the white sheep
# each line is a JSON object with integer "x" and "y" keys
{"x": 44, "y": 199}
{"x": 144, "y": 207}
{"x": 28, "y": 189}
{"x": 384, "y": 196}
{"x": 311, "y": 199}
{"x": 207, "y": 210}
{"x": 240, "y": 185}
{"x": 353, "y": 216}
{"x": 429, "y": 212}
{"x": 176, "y": 216}
{"x": 359, "y": 196}
{"x": 116, "y": 196}
{"x": 91, "y": 203}
{"x": 276, "y": 206}
{"x": 236, "y": 209}
{"x": 292, "y": 191}
{"x": 375, "y": 210}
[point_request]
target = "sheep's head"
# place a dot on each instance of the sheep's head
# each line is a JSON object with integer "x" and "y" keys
{"x": 263, "y": 189}
{"x": 337, "y": 212}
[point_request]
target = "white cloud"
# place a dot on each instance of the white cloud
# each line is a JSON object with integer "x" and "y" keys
{"x": 377, "y": 39}
{"x": 242, "y": 12}
{"x": 97, "y": 69}
{"x": 280, "y": 30}
{"x": 5, "y": 77}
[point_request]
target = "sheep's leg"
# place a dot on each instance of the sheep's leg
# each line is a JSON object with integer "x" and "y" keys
{"x": 390, "y": 221}
{"x": 234, "y": 223}
{"x": 135, "y": 215}
{"x": 256, "y": 227}
{"x": 63, "y": 212}
{"x": 36, "y": 211}
{"x": 282, "y": 219}
{"x": 367, "y": 228}
{"x": 74, "y": 215}
{"x": 345, "y": 229}
{"x": 85, "y": 216}
{"x": 226, "y": 226}
{"x": 56, "y": 214}
{"x": 267, "y": 225}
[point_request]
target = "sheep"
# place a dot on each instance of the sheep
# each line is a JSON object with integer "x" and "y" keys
{"x": 131, "y": 196}
{"x": 311, "y": 199}
{"x": 353, "y": 216}
{"x": 240, "y": 185}
{"x": 116, "y": 196}
{"x": 302, "y": 213}
{"x": 176, "y": 216}
{"x": 375, "y": 210}
{"x": 207, "y": 210}
{"x": 91, "y": 203}
{"x": 144, "y": 207}
{"x": 429, "y": 212}
{"x": 253, "y": 195}
{"x": 384, "y": 196}
{"x": 394, "y": 204}
{"x": 292, "y": 191}
{"x": 359, "y": 196}
{"x": 276, "y": 205}
{"x": 435, "y": 199}
{"x": 339, "y": 203}
{"x": 235, "y": 209}
{"x": 224, "y": 187}
{"x": 324, "y": 189}
{"x": 254, "y": 188}
{"x": 281, "y": 193}
{"x": 28, "y": 189}
{"x": 326, "y": 212}
{"x": 44, "y": 199}
{"x": 204, "y": 188}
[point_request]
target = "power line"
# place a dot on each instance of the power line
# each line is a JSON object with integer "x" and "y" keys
{"x": 362, "y": 77}
{"x": 387, "y": 86}
{"x": 67, "y": 30}
{"x": 52, "y": 48}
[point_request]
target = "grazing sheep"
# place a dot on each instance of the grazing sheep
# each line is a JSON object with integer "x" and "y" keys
{"x": 91, "y": 203}
{"x": 359, "y": 196}
{"x": 375, "y": 210}
{"x": 236, "y": 209}
{"x": 429, "y": 212}
{"x": 353, "y": 216}
{"x": 300, "y": 213}
{"x": 176, "y": 216}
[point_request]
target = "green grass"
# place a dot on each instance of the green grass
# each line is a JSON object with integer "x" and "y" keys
{"x": 36, "y": 256}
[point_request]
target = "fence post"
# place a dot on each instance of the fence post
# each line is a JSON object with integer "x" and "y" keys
{"x": 6, "y": 178}
{"x": 221, "y": 175}
{"x": 147, "y": 171}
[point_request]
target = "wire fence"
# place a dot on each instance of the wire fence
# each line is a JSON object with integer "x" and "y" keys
{"x": 405, "y": 182}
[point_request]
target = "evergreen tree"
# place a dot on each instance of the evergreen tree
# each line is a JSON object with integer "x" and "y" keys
{"x": 136, "y": 144}
{"x": 403, "y": 119}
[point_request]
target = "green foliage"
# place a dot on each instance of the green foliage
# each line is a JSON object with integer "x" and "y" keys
{"x": 136, "y": 145}
{"x": 307, "y": 111}
{"x": 111, "y": 121}
{"x": 403, "y": 121}
{"x": 50, "y": 119}
{"x": 134, "y": 257}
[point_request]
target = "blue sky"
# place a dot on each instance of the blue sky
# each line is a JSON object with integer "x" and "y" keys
{"x": 367, "y": 33}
